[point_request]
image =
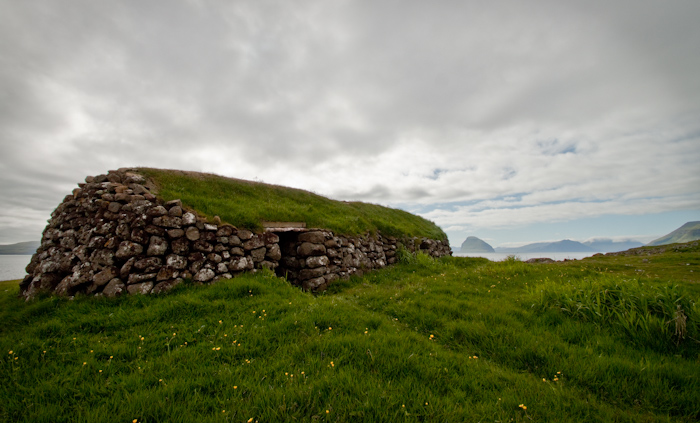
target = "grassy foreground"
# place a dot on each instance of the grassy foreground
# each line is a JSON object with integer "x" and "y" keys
{"x": 246, "y": 204}
{"x": 455, "y": 339}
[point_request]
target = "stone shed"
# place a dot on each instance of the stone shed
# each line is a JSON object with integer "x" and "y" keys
{"x": 114, "y": 236}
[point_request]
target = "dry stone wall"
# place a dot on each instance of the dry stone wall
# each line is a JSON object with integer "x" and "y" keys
{"x": 315, "y": 258}
{"x": 113, "y": 236}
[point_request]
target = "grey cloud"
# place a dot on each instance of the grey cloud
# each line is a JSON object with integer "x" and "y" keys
{"x": 552, "y": 100}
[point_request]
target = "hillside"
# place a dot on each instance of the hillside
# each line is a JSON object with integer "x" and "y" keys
{"x": 565, "y": 246}
{"x": 686, "y": 233}
{"x": 475, "y": 245}
{"x": 449, "y": 340}
{"x": 20, "y": 248}
{"x": 247, "y": 204}
{"x": 610, "y": 246}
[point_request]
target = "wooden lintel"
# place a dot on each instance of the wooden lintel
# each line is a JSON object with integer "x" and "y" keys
{"x": 283, "y": 225}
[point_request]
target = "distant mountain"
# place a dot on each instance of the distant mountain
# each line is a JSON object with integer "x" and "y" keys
{"x": 565, "y": 246}
{"x": 474, "y": 245}
{"x": 28, "y": 247}
{"x": 610, "y": 246}
{"x": 686, "y": 233}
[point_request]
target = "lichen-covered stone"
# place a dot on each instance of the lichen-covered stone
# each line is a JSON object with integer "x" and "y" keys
{"x": 180, "y": 246}
{"x": 258, "y": 255}
{"x": 309, "y": 249}
{"x": 192, "y": 233}
{"x": 175, "y": 233}
{"x": 274, "y": 253}
{"x": 305, "y": 274}
{"x": 239, "y": 264}
{"x": 166, "y": 286}
{"x": 189, "y": 219}
{"x": 254, "y": 243}
{"x": 148, "y": 264}
{"x": 157, "y": 247}
{"x": 313, "y": 284}
{"x": 315, "y": 237}
{"x": 244, "y": 234}
{"x": 114, "y": 288}
{"x": 204, "y": 275}
{"x": 103, "y": 277}
{"x": 317, "y": 261}
{"x": 128, "y": 249}
{"x": 140, "y": 288}
{"x": 165, "y": 273}
{"x": 137, "y": 278}
{"x": 177, "y": 262}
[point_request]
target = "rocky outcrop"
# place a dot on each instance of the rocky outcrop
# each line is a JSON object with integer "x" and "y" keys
{"x": 475, "y": 245}
{"x": 648, "y": 251}
{"x": 114, "y": 236}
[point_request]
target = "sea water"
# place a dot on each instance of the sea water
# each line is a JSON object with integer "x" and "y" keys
{"x": 12, "y": 266}
{"x": 527, "y": 256}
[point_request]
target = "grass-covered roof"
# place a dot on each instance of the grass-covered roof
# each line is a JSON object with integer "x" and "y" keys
{"x": 247, "y": 204}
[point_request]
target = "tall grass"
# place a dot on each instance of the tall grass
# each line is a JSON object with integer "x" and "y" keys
{"x": 651, "y": 315}
{"x": 455, "y": 339}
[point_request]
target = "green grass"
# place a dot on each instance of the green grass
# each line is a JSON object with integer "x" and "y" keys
{"x": 455, "y": 339}
{"x": 246, "y": 204}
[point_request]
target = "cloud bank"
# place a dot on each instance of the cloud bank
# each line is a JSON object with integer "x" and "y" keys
{"x": 474, "y": 114}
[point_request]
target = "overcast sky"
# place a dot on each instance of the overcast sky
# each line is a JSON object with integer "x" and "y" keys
{"x": 514, "y": 121}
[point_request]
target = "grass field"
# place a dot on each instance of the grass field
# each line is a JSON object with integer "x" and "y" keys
{"x": 455, "y": 339}
{"x": 246, "y": 204}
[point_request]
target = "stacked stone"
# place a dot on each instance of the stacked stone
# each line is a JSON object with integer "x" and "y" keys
{"x": 316, "y": 258}
{"x": 112, "y": 236}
